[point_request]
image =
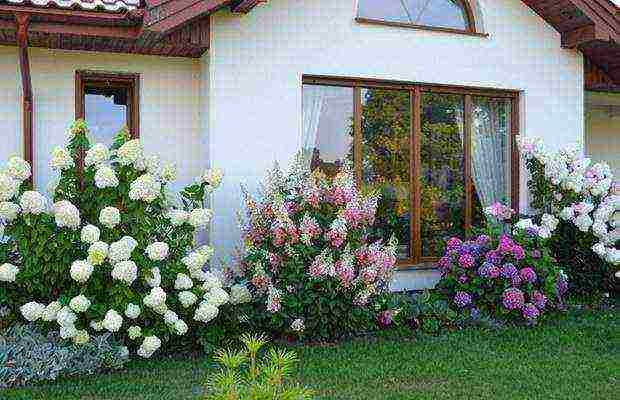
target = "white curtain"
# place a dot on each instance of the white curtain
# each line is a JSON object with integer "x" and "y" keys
{"x": 313, "y": 102}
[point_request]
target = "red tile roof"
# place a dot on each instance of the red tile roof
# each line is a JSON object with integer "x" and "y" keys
{"x": 89, "y": 5}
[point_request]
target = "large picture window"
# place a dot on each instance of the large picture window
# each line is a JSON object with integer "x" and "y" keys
{"x": 437, "y": 155}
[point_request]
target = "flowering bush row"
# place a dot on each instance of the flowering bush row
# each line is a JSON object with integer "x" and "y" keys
{"x": 307, "y": 259}
{"x": 112, "y": 252}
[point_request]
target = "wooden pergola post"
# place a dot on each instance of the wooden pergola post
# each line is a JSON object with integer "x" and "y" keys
{"x": 22, "y": 21}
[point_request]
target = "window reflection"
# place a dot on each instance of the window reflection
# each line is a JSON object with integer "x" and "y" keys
{"x": 437, "y": 13}
{"x": 106, "y": 111}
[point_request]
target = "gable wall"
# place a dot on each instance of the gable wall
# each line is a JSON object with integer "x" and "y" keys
{"x": 257, "y": 62}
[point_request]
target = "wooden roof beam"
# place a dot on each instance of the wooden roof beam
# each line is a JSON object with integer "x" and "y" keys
{"x": 22, "y": 25}
{"x": 168, "y": 16}
{"x": 245, "y": 6}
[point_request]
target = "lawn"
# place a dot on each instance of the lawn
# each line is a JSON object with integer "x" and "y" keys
{"x": 575, "y": 357}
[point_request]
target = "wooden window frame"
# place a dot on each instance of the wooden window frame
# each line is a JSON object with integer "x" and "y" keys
{"x": 416, "y": 90}
{"x": 471, "y": 29}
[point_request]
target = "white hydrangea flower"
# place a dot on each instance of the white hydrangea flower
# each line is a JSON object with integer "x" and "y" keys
{"x": 112, "y": 321}
{"x": 97, "y": 253}
{"x": 65, "y": 317}
{"x": 200, "y": 217}
{"x": 51, "y": 311}
{"x": 613, "y": 256}
{"x": 157, "y": 251}
{"x": 96, "y": 155}
{"x": 170, "y": 317}
{"x": 298, "y": 325}
{"x": 168, "y": 173}
{"x": 600, "y": 250}
{"x": 134, "y": 332}
{"x": 183, "y": 282}
{"x": 145, "y": 188}
{"x": 550, "y": 222}
{"x": 105, "y": 177}
{"x": 129, "y": 152}
{"x": 110, "y": 217}
{"x": 601, "y": 187}
{"x": 120, "y": 250}
{"x": 32, "y": 202}
{"x": 217, "y": 296}
{"x": 132, "y": 311}
{"x": 160, "y": 309}
{"x": 125, "y": 271}
{"x": 194, "y": 261}
{"x": 79, "y": 303}
{"x": 68, "y": 332}
{"x": 97, "y": 326}
{"x": 567, "y": 213}
{"x": 583, "y": 222}
{"x": 152, "y": 164}
{"x": 90, "y": 234}
{"x": 155, "y": 278}
{"x": 177, "y": 217}
{"x": 240, "y": 294}
{"x": 61, "y": 159}
{"x": 32, "y": 311}
{"x": 180, "y": 327}
{"x": 8, "y": 272}
{"x": 8, "y": 187}
{"x": 187, "y": 298}
{"x": 206, "y": 251}
{"x": 66, "y": 215}
{"x": 525, "y": 224}
{"x": 205, "y": 312}
{"x": 155, "y": 298}
{"x": 212, "y": 177}
{"x": 8, "y": 211}
{"x": 211, "y": 281}
{"x": 149, "y": 345}
{"x": 81, "y": 337}
{"x": 18, "y": 169}
{"x": 599, "y": 229}
{"x": 81, "y": 271}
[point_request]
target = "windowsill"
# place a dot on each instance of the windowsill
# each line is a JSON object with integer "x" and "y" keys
{"x": 362, "y": 20}
{"x": 421, "y": 266}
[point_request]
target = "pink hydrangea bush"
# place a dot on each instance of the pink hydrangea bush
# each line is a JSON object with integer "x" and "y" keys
{"x": 508, "y": 277}
{"x": 307, "y": 257}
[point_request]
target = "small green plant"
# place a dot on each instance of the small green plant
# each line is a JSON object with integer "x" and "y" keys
{"x": 243, "y": 375}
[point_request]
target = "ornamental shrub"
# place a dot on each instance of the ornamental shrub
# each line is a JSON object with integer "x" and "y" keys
{"x": 583, "y": 197}
{"x": 502, "y": 276}
{"x": 307, "y": 258}
{"x": 114, "y": 252}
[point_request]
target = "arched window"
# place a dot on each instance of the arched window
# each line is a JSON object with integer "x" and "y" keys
{"x": 453, "y": 15}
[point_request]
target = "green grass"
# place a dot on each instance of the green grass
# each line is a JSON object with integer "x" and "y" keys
{"x": 576, "y": 357}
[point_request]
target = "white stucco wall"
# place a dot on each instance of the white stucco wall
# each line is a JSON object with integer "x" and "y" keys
{"x": 257, "y": 62}
{"x": 170, "y": 123}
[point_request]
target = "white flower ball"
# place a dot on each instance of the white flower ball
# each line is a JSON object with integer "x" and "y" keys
{"x": 68, "y": 332}
{"x": 298, "y": 325}
{"x": 157, "y": 251}
{"x": 180, "y": 327}
{"x": 90, "y": 234}
{"x": 61, "y": 159}
{"x": 212, "y": 177}
{"x": 129, "y": 152}
{"x": 132, "y": 311}
{"x": 32, "y": 311}
{"x": 126, "y": 271}
{"x": 66, "y": 215}
{"x": 134, "y": 332}
{"x": 8, "y": 187}
{"x": 177, "y": 217}
{"x": 110, "y": 217}
{"x": 200, "y": 217}
{"x": 32, "y": 202}
{"x": 183, "y": 282}
{"x": 66, "y": 317}
{"x": 81, "y": 271}
{"x": 155, "y": 298}
{"x": 194, "y": 261}
{"x": 105, "y": 177}
{"x": 155, "y": 279}
{"x": 205, "y": 312}
{"x": 8, "y": 272}
{"x": 150, "y": 345}
{"x": 583, "y": 222}
{"x": 217, "y": 296}
{"x": 550, "y": 222}
{"x": 8, "y": 211}
{"x": 51, "y": 311}
{"x": 187, "y": 298}
{"x": 79, "y": 303}
{"x": 112, "y": 321}
{"x": 97, "y": 253}
{"x": 240, "y": 294}
{"x": 210, "y": 281}
{"x": 168, "y": 173}
{"x": 170, "y": 317}
{"x": 81, "y": 338}
{"x": 97, "y": 326}
{"x": 96, "y": 155}
{"x": 145, "y": 188}
{"x": 120, "y": 251}
{"x": 18, "y": 168}
{"x": 206, "y": 251}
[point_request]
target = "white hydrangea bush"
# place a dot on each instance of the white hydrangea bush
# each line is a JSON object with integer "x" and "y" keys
{"x": 110, "y": 251}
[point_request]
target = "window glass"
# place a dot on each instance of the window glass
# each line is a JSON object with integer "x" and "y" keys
{"x": 105, "y": 111}
{"x": 442, "y": 183}
{"x": 327, "y": 141}
{"x": 386, "y": 168}
{"x": 437, "y": 13}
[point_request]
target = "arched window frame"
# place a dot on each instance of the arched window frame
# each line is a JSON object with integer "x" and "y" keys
{"x": 472, "y": 27}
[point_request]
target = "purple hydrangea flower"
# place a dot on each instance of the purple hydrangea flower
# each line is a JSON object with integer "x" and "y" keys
{"x": 463, "y": 279}
{"x": 518, "y": 252}
{"x": 513, "y": 298}
{"x": 462, "y": 299}
{"x": 453, "y": 244}
{"x": 466, "y": 261}
{"x": 530, "y": 312}
{"x": 536, "y": 254}
{"x": 484, "y": 269}
{"x": 528, "y": 275}
{"x": 385, "y": 318}
{"x": 505, "y": 245}
{"x": 494, "y": 272}
{"x": 516, "y": 281}
{"x": 539, "y": 300}
{"x": 531, "y": 231}
{"x": 483, "y": 240}
{"x": 493, "y": 257}
{"x": 509, "y": 271}
{"x": 474, "y": 313}
{"x": 561, "y": 286}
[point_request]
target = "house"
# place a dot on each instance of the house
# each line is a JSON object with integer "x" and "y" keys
{"x": 425, "y": 96}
